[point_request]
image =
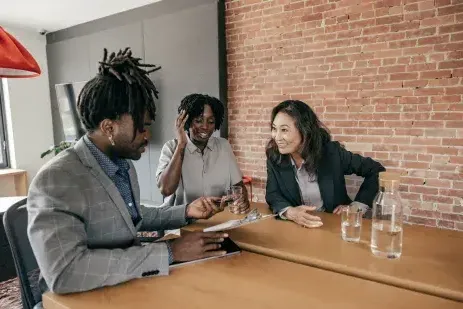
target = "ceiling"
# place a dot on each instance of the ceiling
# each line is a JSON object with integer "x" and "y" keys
{"x": 52, "y": 15}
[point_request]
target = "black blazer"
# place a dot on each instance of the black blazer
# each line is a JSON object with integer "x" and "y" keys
{"x": 283, "y": 190}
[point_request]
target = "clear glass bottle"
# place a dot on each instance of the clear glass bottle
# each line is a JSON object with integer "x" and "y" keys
{"x": 387, "y": 218}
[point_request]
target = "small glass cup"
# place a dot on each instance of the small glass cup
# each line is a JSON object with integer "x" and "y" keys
{"x": 234, "y": 195}
{"x": 351, "y": 224}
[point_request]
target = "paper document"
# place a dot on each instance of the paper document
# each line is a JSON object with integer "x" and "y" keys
{"x": 235, "y": 223}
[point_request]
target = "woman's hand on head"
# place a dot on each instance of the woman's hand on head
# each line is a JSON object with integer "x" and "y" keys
{"x": 180, "y": 128}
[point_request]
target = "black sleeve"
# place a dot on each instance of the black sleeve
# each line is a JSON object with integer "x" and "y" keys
{"x": 364, "y": 167}
{"x": 273, "y": 195}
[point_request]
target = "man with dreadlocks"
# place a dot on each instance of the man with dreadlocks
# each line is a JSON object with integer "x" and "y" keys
{"x": 84, "y": 205}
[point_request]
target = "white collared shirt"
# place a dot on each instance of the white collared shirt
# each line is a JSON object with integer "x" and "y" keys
{"x": 207, "y": 174}
{"x": 310, "y": 190}
{"x": 308, "y": 187}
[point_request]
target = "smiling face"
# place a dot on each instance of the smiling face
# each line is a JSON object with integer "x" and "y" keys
{"x": 285, "y": 134}
{"x": 202, "y": 127}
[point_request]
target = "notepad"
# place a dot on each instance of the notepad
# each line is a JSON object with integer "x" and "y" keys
{"x": 228, "y": 245}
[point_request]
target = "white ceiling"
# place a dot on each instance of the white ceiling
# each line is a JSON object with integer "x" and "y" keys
{"x": 52, "y": 15}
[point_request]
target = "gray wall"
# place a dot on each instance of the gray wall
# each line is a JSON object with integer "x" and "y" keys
{"x": 185, "y": 37}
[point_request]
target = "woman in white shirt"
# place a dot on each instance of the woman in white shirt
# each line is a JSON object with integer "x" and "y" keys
{"x": 196, "y": 163}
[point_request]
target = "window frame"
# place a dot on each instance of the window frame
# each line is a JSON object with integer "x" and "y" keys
{"x": 3, "y": 132}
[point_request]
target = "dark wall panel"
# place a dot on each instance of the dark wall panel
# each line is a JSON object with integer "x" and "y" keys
{"x": 188, "y": 54}
{"x": 67, "y": 62}
{"x": 114, "y": 39}
{"x": 182, "y": 36}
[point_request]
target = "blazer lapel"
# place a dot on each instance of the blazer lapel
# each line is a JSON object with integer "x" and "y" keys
{"x": 289, "y": 181}
{"x": 89, "y": 160}
{"x": 325, "y": 182}
{"x": 135, "y": 191}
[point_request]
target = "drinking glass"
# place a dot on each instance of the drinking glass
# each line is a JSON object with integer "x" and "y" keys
{"x": 351, "y": 224}
{"x": 234, "y": 195}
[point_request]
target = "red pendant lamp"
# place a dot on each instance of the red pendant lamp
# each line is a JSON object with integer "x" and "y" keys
{"x": 15, "y": 60}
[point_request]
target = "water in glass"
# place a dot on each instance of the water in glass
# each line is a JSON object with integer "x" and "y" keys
{"x": 351, "y": 224}
{"x": 234, "y": 194}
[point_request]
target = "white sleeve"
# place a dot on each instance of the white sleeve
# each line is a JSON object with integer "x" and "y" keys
{"x": 167, "y": 153}
{"x": 280, "y": 214}
{"x": 363, "y": 207}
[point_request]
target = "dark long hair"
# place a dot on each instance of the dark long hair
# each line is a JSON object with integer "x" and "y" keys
{"x": 314, "y": 134}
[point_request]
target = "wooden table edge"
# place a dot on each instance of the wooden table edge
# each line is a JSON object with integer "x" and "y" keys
{"x": 12, "y": 172}
{"x": 50, "y": 301}
{"x": 359, "y": 273}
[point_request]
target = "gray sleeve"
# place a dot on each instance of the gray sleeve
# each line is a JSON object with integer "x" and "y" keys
{"x": 235, "y": 173}
{"x": 166, "y": 217}
{"x": 58, "y": 237}
{"x": 167, "y": 153}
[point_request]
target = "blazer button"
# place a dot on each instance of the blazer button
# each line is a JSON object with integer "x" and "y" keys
{"x": 156, "y": 272}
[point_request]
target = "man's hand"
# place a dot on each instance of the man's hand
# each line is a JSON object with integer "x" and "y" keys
{"x": 301, "y": 215}
{"x": 205, "y": 207}
{"x": 197, "y": 245}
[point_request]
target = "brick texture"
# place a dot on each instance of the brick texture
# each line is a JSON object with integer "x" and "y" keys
{"x": 384, "y": 76}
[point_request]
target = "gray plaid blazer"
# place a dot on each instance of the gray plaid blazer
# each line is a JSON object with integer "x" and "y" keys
{"x": 81, "y": 231}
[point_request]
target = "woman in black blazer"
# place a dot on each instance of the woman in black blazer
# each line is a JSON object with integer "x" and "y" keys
{"x": 305, "y": 169}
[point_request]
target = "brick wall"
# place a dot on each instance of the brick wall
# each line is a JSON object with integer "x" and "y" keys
{"x": 384, "y": 76}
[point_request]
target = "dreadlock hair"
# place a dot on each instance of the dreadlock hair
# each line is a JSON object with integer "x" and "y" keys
{"x": 121, "y": 86}
{"x": 193, "y": 105}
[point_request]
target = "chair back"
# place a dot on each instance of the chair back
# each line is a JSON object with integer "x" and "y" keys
{"x": 15, "y": 223}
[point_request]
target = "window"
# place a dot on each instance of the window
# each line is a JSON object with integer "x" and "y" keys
{"x": 3, "y": 139}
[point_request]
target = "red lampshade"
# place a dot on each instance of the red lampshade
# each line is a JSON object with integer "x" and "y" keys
{"x": 15, "y": 60}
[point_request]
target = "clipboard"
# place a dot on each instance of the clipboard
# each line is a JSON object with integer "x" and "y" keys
{"x": 233, "y": 224}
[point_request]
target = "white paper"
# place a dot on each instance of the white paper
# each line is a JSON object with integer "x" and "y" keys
{"x": 232, "y": 224}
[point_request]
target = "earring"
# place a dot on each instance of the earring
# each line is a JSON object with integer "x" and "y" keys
{"x": 111, "y": 140}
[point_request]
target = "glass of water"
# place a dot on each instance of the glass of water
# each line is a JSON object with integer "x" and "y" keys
{"x": 234, "y": 195}
{"x": 351, "y": 224}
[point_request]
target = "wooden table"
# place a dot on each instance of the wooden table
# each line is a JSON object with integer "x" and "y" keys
{"x": 13, "y": 182}
{"x": 248, "y": 281}
{"x": 431, "y": 262}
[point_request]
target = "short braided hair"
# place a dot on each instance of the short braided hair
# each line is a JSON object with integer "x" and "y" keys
{"x": 193, "y": 105}
{"x": 121, "y": 86}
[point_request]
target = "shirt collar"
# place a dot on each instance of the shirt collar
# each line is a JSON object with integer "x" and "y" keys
{"x": 192, "y": 147}
{"x": 312, "y": 177}
{"x": 110, "y": 167}
{"x": 293, "y": 163}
